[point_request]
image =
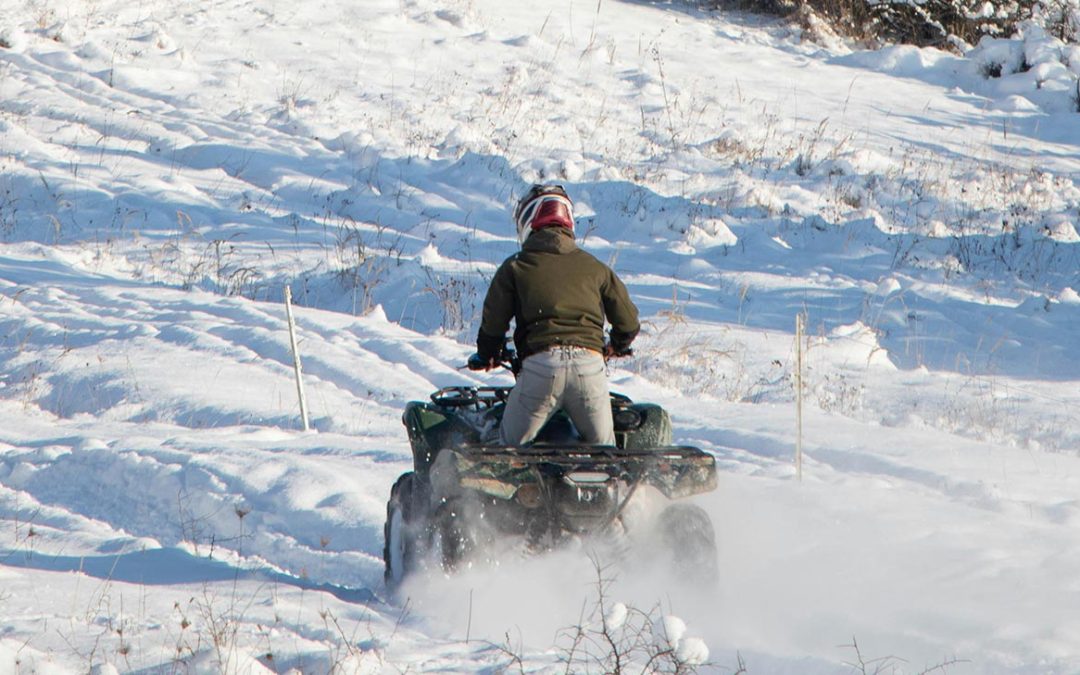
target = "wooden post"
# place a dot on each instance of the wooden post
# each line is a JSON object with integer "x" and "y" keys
{"x": 296, "y": 359}
{"x": 798, "y": 394}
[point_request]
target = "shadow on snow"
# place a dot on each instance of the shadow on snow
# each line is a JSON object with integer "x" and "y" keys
{"x": 170, "y": 567}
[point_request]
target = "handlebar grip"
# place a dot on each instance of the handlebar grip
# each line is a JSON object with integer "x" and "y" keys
{"x": 612, "y": 353}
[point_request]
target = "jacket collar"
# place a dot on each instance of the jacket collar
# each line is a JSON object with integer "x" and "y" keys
{"x": 550, "y": 240}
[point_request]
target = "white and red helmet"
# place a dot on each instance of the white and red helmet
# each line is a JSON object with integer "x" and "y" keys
{"x": 543, "y": 206}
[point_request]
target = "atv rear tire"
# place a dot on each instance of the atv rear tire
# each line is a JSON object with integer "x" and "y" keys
{"x": 455, "y": 533}
{"x": 401, "y": 533}
{"x": 690, "y": 543}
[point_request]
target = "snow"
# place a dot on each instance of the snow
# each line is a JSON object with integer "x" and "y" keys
{"x": 166, "y": 169}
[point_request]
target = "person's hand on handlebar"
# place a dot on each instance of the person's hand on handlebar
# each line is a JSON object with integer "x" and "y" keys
{"x": 611, "y": 352}
{"x": 477, "y": 362}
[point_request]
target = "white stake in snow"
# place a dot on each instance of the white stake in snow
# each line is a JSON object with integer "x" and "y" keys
{"x": 296, "y": 359}
{"x": 798, "y": 395}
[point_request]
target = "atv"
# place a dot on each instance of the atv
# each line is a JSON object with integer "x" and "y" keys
{"x": 468, "y": 499}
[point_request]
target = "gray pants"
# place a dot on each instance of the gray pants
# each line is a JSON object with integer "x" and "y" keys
{"x": 571, "y": 378}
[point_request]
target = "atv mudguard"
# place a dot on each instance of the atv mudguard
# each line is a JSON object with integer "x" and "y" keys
{"x": 432, "y": 428}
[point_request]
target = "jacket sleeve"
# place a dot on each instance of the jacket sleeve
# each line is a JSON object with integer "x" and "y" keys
{"x": 498, "y": 310}
{"x": 621, "y": 313}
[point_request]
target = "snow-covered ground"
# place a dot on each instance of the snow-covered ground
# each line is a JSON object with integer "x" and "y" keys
{"x": 166, "y": 169}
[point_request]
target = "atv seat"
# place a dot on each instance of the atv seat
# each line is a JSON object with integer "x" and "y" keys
{"x": 559, "y": 430}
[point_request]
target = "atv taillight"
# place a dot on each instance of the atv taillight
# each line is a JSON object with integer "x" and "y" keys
{"x": 586, "y": 477}
{"x": 588, "y": 494}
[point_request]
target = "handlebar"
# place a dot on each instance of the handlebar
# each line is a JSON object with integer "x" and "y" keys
{"x": 509, "y": 360}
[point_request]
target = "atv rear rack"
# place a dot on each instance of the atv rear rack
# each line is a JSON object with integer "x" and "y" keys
{"x": 499, "y": 471}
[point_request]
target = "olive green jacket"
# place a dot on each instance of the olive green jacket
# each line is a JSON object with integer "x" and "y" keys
{"x": 557, "y": 294}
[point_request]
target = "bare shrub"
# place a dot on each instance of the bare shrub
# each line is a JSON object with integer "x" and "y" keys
{"x": 941, "y": 23}
{"x": 613, "y": 637}
{"x": 458, "y": 298}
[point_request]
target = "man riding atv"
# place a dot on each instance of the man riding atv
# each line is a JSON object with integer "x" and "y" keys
{"x": 571, "y": 460}
{"x": 559, "y": 297}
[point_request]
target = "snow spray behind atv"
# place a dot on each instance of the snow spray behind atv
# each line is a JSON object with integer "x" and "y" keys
{"x": 468, "y": 497}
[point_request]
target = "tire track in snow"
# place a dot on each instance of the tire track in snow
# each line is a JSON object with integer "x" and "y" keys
{"x": 235, "y": 335}
{"x": 306, "y": 513}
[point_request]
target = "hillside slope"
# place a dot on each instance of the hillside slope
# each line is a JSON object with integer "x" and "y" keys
{"x": 167, "y": 169}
